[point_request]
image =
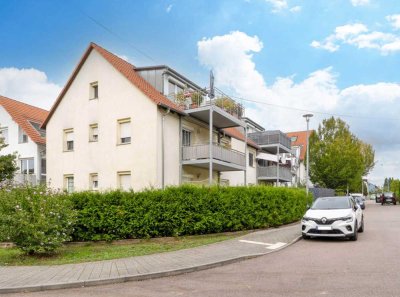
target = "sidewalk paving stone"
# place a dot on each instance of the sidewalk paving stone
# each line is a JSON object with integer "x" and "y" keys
{"x": 36, "y": 278}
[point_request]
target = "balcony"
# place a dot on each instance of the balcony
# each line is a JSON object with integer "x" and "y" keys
{"x": 271, "y": 141}
{"x": 270, "y": 173}
{"x": 226, "y": 111}
{"x": 223, "y": 159}
{"x": 21, "y": 178}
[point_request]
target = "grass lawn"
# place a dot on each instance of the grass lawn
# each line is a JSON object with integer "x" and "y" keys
{"x": 77, "y": 253}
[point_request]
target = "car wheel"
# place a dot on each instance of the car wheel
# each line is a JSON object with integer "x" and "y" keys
{"x": 362, "y": 226}
{"x": 354, "y": 237}
{"x": 305, "y": 236}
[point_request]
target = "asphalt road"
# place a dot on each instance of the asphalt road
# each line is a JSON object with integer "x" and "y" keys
{"x": 317, "y": 267}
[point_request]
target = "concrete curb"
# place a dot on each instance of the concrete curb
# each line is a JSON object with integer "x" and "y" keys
{"x": 123, "y": 279}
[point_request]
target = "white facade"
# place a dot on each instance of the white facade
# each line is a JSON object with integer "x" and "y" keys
{"x": 29, "y": 154}
{"x": 111, "y": 160}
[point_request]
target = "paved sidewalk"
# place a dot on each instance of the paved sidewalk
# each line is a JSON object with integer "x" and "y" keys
{"x": 38, "y": 278}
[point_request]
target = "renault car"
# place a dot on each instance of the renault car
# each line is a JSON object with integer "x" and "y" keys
{"x": 333, "y": 217}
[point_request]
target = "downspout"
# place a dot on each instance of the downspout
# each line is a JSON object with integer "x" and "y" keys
{"x": 180, "y": 150}
{"x": 163, "y": 148}
{"x": 245, "y": 154}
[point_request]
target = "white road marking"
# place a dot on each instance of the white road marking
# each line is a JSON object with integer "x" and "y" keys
{"x": 271, "y": 246}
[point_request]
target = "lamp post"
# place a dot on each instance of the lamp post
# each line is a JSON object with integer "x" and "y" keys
{"x": 307, "y": 117}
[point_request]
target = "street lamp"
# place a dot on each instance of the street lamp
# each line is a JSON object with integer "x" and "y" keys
{"x": 307, "y": 117}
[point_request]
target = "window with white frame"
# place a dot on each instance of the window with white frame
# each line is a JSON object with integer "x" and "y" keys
{"x": 94, "y": 181}
{"x": 94, "y": 90}
{"x": 69, "y": 183}
{"x": 22, "y": 136}
{"x": 94, "y": 133}
{"x": 124, "y": 131}
{"x": 124, "y": 180}
{"x": 68, "y": 140}
{"x": 4, "y": 135}
{"x": 27, "y": 166}
{"x": 186, "y": 137}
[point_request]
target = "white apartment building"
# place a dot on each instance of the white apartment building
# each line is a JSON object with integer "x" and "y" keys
{"x": 20, "y": 128}
{"x": 118, "y": 126}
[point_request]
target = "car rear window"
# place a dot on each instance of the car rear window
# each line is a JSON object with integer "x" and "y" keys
{"x": 331, "y": 203}
{"x": 388, "y": 194}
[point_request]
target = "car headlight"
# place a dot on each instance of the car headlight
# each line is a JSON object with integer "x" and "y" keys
{"x": 348, "y": 219}
{"x": 305, "y": 219}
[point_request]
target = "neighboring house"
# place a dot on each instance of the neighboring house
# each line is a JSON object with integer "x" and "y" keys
{"x": 118, "y": 126}
{"x": 299, "y": 145}
{"x": 20, "y": 128}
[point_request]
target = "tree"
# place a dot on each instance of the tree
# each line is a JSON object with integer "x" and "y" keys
{"x": 8, "y": 164}
{"x": 338, "y": 159}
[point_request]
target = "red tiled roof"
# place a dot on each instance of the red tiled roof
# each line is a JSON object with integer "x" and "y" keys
{"x": 301, "y": 141}
{"x": 235, "y": 133}
{"x": 22, "y": 113}
{"x": 127, "y": 70}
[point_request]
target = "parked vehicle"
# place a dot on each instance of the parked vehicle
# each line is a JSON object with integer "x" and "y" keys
{"x": 333, "y": 217}
{"x": 360, "y": 199}
{"x": 378, "y": 198}
{"x": 388, "y": 197}
{"x": 372, "y": 196}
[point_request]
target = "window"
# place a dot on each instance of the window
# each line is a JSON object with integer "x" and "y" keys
{"x": 69, "y": 183}
{"x": 43, "y": 166}
{"x": 293, "y": 138}
{"x": 4, "y": 135}
{"x": 93, "y": 133}
{"x": 124, "y": 131}
{"x": 251, "y": 160}
{"x": 27, "y": 166}
{"x": 94, "y": 181}
{"x": 37, "y": 126}
{"x": 22, "y": 137}
{"x": 124, "y": 180}
{"x": 69, "y": 140}
{"x": 186, "y": 137}
{"x": 94, "y": 90}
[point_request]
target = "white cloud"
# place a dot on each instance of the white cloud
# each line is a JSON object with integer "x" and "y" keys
{"x": 169, "y": 7}
{"x": 295, "y": 9}
{"x": 123, "y": 57}
{"x": 394, "y": 20}
{"x": 360, "y": 36}
{"x": 281, "y": 5}
{"x": 373, "y": 107}
{"x": 28, "y": 85}
{"x": 359, "y": 2}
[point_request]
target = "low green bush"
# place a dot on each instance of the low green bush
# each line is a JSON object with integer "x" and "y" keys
{"x": 36, "y": 219}
{"x": 184, "y": 210}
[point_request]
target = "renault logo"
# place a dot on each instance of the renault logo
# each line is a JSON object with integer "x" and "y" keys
{"x": 323, "y": 220}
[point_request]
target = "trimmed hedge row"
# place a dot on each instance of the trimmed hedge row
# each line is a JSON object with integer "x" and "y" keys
{"x": 184, "y": 210}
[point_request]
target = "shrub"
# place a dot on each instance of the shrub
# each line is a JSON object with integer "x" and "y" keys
{"x": 36, "y": 219}
{"x": 184, "y": 210}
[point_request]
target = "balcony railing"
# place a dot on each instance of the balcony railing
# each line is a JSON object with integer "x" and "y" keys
{"x": 190, "y": 99}
{"x": 271, "y": 137}
{"x": 21, "y": 178}
{"x": 271, "y": 172}
{"x": 198, "y": 152}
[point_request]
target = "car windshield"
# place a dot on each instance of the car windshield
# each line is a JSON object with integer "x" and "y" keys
{"x": 388, "y": 194}
{"x": 331, "y": 203}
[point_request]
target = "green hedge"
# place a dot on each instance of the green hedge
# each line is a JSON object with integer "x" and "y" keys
{"x": 184, "y": 210}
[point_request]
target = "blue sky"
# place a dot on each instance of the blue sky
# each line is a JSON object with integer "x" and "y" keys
{"x": 337, "y": 57}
